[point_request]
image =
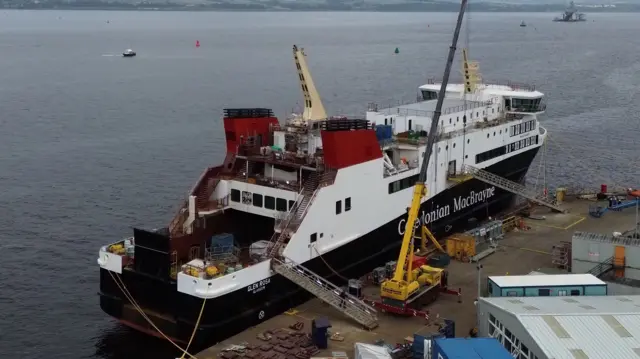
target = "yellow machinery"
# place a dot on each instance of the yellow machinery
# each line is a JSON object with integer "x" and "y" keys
{"x": 461, "y": 246}
{"x": 404, "y": 283}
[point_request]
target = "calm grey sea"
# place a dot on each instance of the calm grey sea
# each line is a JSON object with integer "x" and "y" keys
{"x": 92, "y": 144}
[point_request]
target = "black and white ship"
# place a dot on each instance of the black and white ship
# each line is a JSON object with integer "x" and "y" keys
{"x": 328, "y": 193}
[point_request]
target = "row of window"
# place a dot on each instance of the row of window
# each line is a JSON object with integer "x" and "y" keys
{"x": 403, "y": 183}
{"x": 347, "y": 205}
{"x": 523, "y": 127}
{"x": 508, "y": 340}
{"x": 499, "y": 151}
{"x": 257, "y": 200}
{"x": 523, "y": 143}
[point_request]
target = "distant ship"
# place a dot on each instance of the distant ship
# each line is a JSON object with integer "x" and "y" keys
{"x": 522, "y": 24}
{"x": 128, "y": 53}
{"x": 570, "y": 14}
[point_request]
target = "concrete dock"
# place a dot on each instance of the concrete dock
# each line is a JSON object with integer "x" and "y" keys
{"x": 520, "y": 252}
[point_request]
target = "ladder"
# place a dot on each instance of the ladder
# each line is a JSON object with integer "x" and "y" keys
{"x": 510, "y": 186}
{"x": 327, "y": 292}
{"x": 602, "y": 268}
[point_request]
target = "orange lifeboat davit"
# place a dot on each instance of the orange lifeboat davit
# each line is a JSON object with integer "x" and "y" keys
{"x": 635, "y": 193}
{"x": 197, "y": 43}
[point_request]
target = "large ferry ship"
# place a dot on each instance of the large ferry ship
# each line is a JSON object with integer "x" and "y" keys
{"x": 328, "y": 193}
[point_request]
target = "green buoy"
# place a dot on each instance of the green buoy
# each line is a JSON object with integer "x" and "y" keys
{"x": 397, "y": 51}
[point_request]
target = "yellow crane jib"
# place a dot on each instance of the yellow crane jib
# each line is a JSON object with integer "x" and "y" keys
{"x": 399, "y": 288}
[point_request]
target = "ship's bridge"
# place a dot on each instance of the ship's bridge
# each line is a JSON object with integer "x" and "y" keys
{"x": 516, "y": 98}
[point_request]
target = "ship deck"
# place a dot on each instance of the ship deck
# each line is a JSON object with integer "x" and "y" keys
{"x": 426, "y": 108}
{"x": 520, "y": 253}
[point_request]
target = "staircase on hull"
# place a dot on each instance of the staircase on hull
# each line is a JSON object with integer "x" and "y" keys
{"x": 329, "y": 293}
{"x": 288, "y": 224}
{"x": 469, "y": 171}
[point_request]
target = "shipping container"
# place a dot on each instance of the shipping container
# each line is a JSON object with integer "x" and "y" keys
{"x": 468, "y": 348}
{"x": 384, "y": 132}
{"x": 444, "y": 329}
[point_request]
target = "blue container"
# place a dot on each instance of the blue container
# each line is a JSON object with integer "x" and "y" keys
{"x": 222, "y": 240}
{"x": 417, "y": 348}
{"x": 472, "y": 348}
{"x": 448, "y": 330}
{"x": 319, "y": 335}
{"x": 384, "y": 132}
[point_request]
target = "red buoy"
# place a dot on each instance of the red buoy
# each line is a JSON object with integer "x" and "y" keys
{"x": 197, "y": 43}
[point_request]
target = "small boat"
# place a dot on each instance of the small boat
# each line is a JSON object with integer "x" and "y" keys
{"x": 522, "y": 24}
{"x": 128, "y": 53}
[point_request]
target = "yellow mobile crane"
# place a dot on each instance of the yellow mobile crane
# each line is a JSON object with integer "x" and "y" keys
{"x": 408, "y": 284}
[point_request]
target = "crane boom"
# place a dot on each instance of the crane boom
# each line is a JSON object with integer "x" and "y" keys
{"x": 420, "y": 187}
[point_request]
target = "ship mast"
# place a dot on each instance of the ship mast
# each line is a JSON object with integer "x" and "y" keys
{"x": 313, "y": 108}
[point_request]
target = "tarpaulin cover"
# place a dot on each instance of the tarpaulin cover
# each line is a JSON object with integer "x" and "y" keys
{"x": 370, "y": 351}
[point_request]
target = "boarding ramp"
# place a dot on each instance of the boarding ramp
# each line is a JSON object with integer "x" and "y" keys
{"x": 327, "y": 292}
{"x": 510, "y": 186}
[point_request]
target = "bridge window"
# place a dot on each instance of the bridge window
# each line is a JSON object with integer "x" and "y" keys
{"x": 235, "y": 195}
{"x": 291, "y": 204}
{"x": 338, "y": 207}
{"x": 257, "y": 200}
{"x": 313, "y": 237}
{"x": 429, "y": 95}
{"x": 281, "y": 204}
{"x": 269, "y": 202}
{"x": 347, "y": 204}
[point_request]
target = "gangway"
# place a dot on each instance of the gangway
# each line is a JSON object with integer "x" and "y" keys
{"x": 508, "y": 185}
{"x": 327, "y": 292}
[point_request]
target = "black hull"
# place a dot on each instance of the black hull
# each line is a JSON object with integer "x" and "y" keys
{"x": 237, "y": 311}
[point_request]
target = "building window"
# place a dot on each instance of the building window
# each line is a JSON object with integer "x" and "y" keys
{"x": 281, "y": 204}
{"x": 257, "y": 200}
{"x": 313, "y": 238}
{"x": 269, "y": 202}
{"x": 338, "y": 207}
{"x": 235, "y": 195}
{"x": 347, "y": 204}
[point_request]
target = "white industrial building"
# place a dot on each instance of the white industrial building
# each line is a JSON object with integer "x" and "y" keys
{"x": 584, "y": 327}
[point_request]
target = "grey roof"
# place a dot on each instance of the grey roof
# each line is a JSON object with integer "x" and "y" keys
{"x": 585, "y": 327}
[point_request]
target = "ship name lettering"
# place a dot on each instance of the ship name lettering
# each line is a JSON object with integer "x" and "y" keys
{"x": 473, "y": 198}
{"x": 440, "y": 212}
{"x": 258, "y": 286}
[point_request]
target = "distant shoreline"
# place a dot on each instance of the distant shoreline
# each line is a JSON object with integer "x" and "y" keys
{"x": 435, "y": 7}
{"x": 206, "y": 9}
